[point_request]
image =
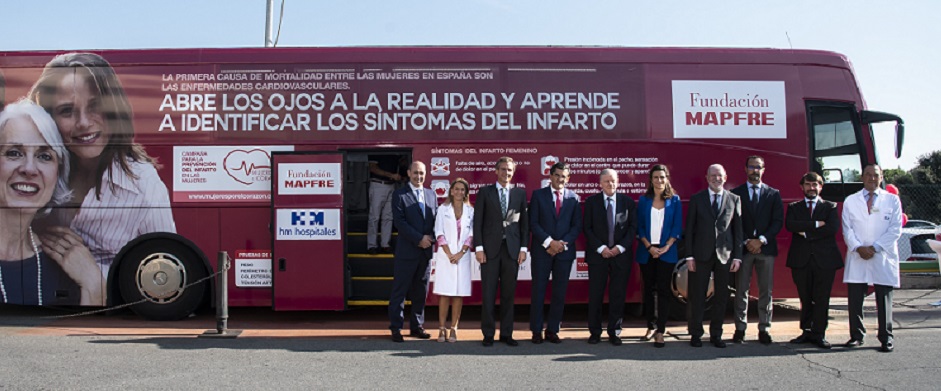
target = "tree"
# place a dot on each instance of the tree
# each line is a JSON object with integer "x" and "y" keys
{"x": 928, "y": 170}
{"x": 898, "y": 176}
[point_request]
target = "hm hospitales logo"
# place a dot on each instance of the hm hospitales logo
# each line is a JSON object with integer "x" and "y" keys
{"x": 309, "y": 224}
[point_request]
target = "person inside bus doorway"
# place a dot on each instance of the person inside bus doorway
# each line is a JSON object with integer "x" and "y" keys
{"x": 413, "y": 211}
{"x": 762, "y": 219}
{"x": 384, "y": 174}
{"x": 872, "y": 225}
{"x": 714, "y": 246}
{"x": 501, "y": 229}
{"x": 555, "y": 220}
{"x": 34, "y": 162}
{"x": 117, "y": 193}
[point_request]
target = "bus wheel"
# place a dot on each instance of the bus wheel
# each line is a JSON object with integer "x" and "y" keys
{"x": 158, "y": 270}
{"x": 679, "y": 285}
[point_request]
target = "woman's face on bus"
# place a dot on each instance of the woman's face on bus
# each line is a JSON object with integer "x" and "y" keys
{"x": 76, "y": 108}
{"x": 29, "y": 167}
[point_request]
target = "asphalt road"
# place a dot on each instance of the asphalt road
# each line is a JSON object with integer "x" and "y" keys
{"x": 351, "y": 350}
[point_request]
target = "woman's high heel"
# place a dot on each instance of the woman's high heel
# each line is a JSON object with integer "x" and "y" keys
{"x": 649, "y": 335}
{"x": 442, "y": 334}
{"x": 658, "y": 340}
{"x": 453, "y": 337}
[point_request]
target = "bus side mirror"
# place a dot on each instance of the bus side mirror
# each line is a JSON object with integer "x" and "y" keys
{"x": 899, "y": 138}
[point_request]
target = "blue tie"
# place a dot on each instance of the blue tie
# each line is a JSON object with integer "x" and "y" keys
{"x": 503, "y": 200}
{"x": 421, "y": 202}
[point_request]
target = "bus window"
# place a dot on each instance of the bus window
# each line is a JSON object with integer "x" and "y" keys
{"x": 835, "y": 149}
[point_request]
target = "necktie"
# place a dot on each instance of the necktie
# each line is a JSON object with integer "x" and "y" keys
{"x": 558, "y": 202}
{"x": 715, "y": 204}
{"x": 810, "y": 207}
{"x": 754, "y": 199}
{"x": 503, "y": 200}
{"x": 610, "y": 212}
{"x": 872, "y": 199}
{"x": 421, "y": 202}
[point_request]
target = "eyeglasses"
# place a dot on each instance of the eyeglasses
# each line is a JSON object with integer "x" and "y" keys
{"x": 756, "y": 167}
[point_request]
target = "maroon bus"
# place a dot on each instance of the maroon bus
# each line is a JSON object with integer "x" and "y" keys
{"x": 173, "y": 156}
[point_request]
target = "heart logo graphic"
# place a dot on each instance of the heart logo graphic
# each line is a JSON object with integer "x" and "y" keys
{"x": 244, "y": 166}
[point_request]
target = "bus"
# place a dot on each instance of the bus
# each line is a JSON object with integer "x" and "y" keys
{"x": 177, "y": 155}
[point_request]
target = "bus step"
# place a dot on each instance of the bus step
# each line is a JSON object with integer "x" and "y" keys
{"x": 366, "y": 302}
{"x": 379, "y": 288}
{"x": 373, "y": 266}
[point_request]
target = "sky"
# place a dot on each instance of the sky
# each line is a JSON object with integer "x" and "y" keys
{"x": 894, "y": 46}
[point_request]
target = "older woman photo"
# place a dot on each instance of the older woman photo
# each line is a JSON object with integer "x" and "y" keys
{"x": 34, "y": 165}
{"x": 454, "y": 229}
{"x": 118, "y": 195}
{"x": 659, "y": 226}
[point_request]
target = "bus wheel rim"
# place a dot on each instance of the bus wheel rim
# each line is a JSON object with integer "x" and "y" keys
{"x": 161, "y": 278}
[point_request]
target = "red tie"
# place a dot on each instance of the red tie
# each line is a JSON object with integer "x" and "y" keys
{"x": 558, "y": 203}
{"x": 872, "y": 197}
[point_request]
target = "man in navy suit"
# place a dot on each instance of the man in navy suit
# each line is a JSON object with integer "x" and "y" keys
{"x": 555, "y": 220}
{"x": 610, "y": 226}
{"x": 762, "y": 219}
{"x": 501, "y": 230}
{"x": 714, "y": 247}
{"x": 413, "y": 213}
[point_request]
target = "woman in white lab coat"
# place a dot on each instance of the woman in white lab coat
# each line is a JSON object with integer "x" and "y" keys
{"x": 453, "y": 230}
{"x": 871, "y": 230}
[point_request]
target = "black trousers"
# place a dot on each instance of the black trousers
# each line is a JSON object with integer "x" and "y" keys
{"x": 657, "y": 276}
{"x": 698, "y": 285}
{"x": 814, "y": 286}
{"x": 857, "y": 293}
{"x": 499, "y": 272}
{"x": 410, "y": 279}
{"x": 610, "y": 275}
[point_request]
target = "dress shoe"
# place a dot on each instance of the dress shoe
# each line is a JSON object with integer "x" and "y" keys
{"x": 739, "y": 336}
{"x": 397, "y": 337}
{"x": 887, "y": 347}
{"x": 803, "y": 338}
{"x": 552, "y": 337}
{"x": 373, "y": 251}
{"x": 822, "y": 343}
{"x": 537, "y": 338}
{"x": 419, "y": 333}
{"x": 765, "y": 338}
{"x": 488, "y": 341}
{"x": 854, "y": 343}
{"x": 387, "y": 250}
{"x": 695, "y": 342}
{"x": 615, "y": 340}
{"x": 717, "y": 342}
{"x": 594, "y": 339}
{"x": 509, "y": 341}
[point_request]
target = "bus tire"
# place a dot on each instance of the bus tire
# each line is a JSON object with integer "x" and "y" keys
{"x": 679, "y": 305}
{"x": 155, "y": 270}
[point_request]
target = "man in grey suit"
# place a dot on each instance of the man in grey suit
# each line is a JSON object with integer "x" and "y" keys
{"x": 762, "y": 219}
{"x": 501, "y": 227}
{"x": 713, "y": 246}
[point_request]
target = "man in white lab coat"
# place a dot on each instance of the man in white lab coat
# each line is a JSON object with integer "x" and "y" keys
{"x": 872, "y": 225}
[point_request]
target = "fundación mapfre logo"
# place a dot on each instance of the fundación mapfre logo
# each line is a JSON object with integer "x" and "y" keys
{"x": 309, "y": 178}
{"x": 308, "y": 224}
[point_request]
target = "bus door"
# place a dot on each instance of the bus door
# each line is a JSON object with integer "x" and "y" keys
{"x": 837, "y": 151}
{"x": 308, "y": 246}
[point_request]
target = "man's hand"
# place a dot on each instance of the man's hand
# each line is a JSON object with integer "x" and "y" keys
{"x": 691, "y": 264}
{"x": 555, "y": 247}
{"x": 426, "y": 241}
{"x": 522, "y": 258}
{"x": 753, "y": 246}
{"x": 867, "y": 252}
{"x": 736, "y": 264}
{"x": 481, "y": 257}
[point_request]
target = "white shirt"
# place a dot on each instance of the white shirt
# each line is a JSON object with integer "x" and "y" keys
{"x": 880, "y": 229}
{"x": 656, "y": 224}
{"x": 135, "y": 207}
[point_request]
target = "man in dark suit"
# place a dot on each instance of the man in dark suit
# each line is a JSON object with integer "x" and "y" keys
{"x": 813, "y": 257}
{"x": 610, "y": 227}
{"x": 714, "y": 246}
{"x": 413, "y": 213}
{"x": 762, "y": 219}
{"x": 555, "y": 218}
{"x": 501, "y": 230}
